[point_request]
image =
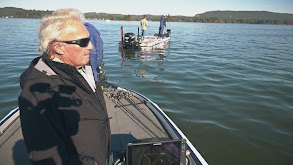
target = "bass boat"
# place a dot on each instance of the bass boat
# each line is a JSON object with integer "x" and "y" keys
{"x": 132, "y": 41}
{"x": 141, "y": 133}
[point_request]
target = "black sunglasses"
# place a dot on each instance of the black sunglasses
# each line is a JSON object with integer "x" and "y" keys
{"x": 82, "y": 42}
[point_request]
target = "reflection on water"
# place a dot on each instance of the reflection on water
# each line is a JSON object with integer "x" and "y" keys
{"x": 142, "y": 56}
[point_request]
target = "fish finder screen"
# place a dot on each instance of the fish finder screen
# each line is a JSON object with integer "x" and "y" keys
{"x": 160, "y": 153}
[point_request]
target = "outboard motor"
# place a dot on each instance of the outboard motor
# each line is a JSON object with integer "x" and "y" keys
{"x": 129, "y": 40}
{"x": 168, "y": 32}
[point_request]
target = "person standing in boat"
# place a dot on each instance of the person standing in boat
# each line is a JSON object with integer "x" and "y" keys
{"x": 162, "y": 25}
{"x": 62, "y": 109}
{"x": 96, "y": 55}
{"x": 144, "y": 24}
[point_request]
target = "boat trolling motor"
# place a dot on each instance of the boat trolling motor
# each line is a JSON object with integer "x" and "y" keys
{"x": 167, "y": 34}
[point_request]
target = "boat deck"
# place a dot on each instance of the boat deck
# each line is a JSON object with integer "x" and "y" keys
{"x": 131, "y": 121}
{"x": 12, "y": 148}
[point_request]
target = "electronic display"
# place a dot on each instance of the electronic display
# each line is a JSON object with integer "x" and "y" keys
{"x": 170, "y": 152}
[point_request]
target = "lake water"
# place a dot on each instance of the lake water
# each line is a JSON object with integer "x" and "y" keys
{"x": 229, "y": 87}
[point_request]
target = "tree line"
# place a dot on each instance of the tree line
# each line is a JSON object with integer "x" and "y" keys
{"x": 244, "y": 17}
{"x": 244, "y": 21}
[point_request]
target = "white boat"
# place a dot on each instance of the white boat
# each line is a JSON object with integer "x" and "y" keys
{"x": 132, "y": 41}
{"x": 154, "y": 42}
{"x": 137, "y": 124}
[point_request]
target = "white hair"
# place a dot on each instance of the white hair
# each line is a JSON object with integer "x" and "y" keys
{"x": 52, "y": 26}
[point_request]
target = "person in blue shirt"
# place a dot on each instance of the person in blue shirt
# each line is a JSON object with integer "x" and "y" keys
{"x": 96, "y": 56}
{"x": 162, "y": 25}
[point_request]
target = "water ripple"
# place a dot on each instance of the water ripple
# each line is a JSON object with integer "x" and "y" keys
{"x": 227, "y": 86}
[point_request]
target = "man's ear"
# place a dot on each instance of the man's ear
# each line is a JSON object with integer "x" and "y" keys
{"x": 58, "y": 48}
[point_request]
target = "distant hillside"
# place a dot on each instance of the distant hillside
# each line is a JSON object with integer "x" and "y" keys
{"x": 94, "y": 15}
{"x": 246, "y": 17}
{"x": 9, "y": 11}
{"x": 262, "y": 17}
{"x": 12, "y": 12}
{"x": 22, "y": 13}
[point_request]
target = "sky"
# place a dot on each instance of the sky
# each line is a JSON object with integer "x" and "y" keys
{"x": 154, "y": 7}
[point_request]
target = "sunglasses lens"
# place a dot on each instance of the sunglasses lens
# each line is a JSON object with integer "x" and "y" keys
{"x": 84, "y": 42}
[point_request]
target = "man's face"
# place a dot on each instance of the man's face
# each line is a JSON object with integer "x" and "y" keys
{"x": 73, "y": 54}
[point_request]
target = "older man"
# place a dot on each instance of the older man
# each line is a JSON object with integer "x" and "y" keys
{"x": 62, "y": 109}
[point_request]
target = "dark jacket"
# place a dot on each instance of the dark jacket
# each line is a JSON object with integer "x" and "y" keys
{"x": 163, "y": 22}
{"x": 63, "y": 120}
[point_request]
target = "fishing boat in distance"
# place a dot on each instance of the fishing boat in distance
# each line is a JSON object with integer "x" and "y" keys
{"x": 138, "y": 127}
{"x": 132, "y": 41}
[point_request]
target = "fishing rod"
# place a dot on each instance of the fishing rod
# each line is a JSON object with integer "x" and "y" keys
{"x": 144, "y": 114}
{"x": 139, "y": 121}
{"x": 116, "y": 99}
{"x": 128, "y": 96}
